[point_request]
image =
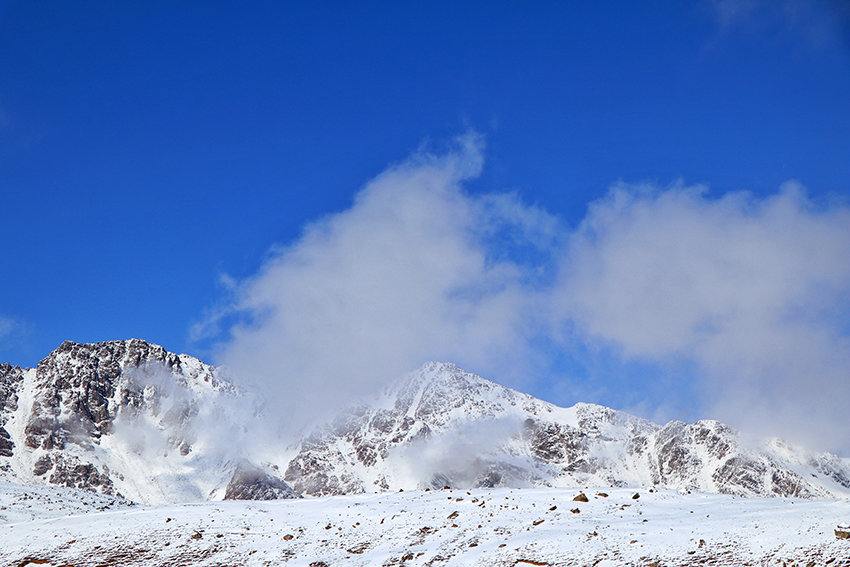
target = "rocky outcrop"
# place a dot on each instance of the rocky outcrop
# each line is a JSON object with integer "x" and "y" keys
{"x": 74, "y": 473}
{"x": 80, "y": 393}
{"x": 10, "y": 380}
{"x": 79, "y": 390}
{"x": 253, "y": 483}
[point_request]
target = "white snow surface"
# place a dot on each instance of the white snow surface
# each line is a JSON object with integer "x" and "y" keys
{"x": 494, "y": 527}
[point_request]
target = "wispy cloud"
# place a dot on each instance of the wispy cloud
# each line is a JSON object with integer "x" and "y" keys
{"x": 818, "y": 22}
{"x": 13, "y": 332}
{"x": 7, "y": 327}
{"x": 751, "y": 294}
{"x": 733, "y": 12}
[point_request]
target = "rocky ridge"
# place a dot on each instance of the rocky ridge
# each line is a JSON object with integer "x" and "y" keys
{"x": 131, "y": 419}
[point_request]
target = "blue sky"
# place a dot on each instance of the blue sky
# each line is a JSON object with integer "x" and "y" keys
{"x": 567, "y": 186}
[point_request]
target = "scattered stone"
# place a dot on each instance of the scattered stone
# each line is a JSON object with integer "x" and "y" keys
{"x": 635, "y": 496}
{"x": 842, "y": 531}
{"x": 580, "y": 497}
{"x": 359, "y": 548}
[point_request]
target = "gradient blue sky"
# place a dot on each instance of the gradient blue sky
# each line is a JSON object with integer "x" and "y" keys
{"x": 157, "y": 159}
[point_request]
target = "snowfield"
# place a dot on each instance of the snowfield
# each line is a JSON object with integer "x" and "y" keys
{"x": 543, "y": 526}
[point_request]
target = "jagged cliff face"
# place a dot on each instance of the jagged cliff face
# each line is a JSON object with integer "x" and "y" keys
{"x": 119, "y": 417}
{"x": 129, "y": 418}
{"x": 10, "y": 380}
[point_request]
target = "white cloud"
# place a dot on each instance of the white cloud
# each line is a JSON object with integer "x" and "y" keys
{"x": 754, "y": 291}
{"x": 750, "y": 293}
{"x": 13, "y": 331}
{"x": 402, "y": 277}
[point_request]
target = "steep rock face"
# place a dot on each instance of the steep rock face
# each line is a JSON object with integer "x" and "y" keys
{"x": 10, "y": 380}
{"x": 81, "y": 387}
{"x": 707, "y": 456}
{"x": 118, "y": 416}
{"x": 80, "y": 379}
{"x": 442, "y": 426}
{"x": 79, "y": 391}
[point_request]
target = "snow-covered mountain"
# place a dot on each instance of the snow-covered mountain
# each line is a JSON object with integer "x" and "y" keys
{"x": 129, "y": 418}
{"x": 441, "y": 426}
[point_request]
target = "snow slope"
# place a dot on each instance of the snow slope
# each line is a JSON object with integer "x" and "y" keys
{"x": 493, "y": 527}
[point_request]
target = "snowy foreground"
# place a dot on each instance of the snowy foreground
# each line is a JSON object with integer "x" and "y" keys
{"x": 50, "y": 526}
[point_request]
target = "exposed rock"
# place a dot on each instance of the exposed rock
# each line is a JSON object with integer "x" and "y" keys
{"x": 42, "y": 465}
{"x": 10, "y": 379}
{"x": 81, "y": 379}
{"x": 80, "y": 391}
{"x": 73, "y": 473}
{"x": 251, "y": 483}
{"x": 6, "y": 444}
